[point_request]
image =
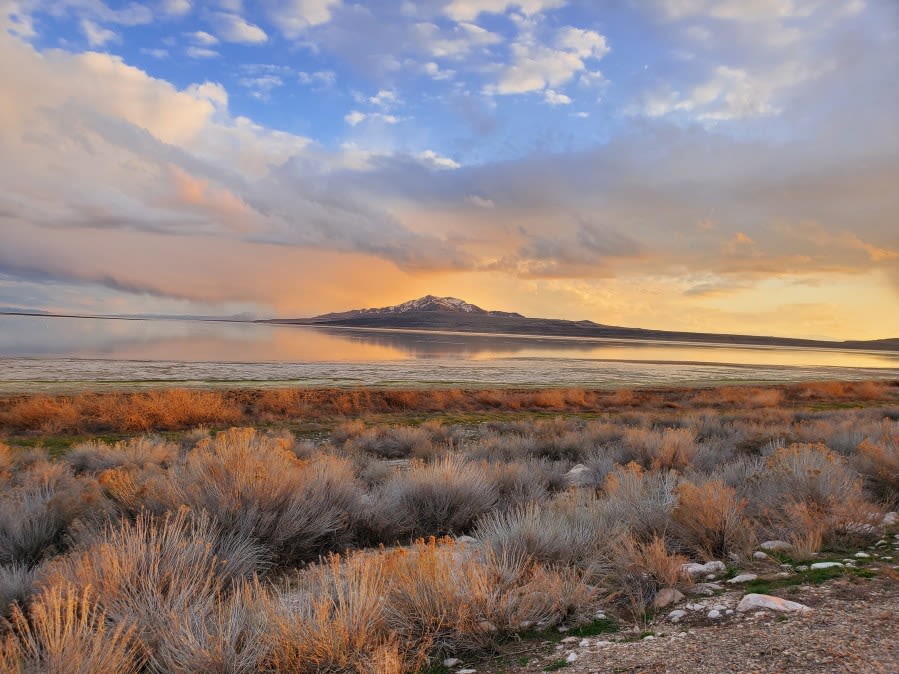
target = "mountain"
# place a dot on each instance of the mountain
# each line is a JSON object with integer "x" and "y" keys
{"x": 426, "y": 304}
{"x": 452, "y": 314}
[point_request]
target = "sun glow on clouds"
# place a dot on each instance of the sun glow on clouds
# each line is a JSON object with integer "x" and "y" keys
{"x": 737, "y": 174}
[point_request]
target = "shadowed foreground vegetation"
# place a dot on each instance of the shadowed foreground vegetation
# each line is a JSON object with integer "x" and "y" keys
{"x": 247, "y": 549}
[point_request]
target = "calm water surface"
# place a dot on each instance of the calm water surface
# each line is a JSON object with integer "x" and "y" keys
{"x": 49, "y": 353}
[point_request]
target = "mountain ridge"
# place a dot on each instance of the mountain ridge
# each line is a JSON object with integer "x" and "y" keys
{"x": 451, "y": 314}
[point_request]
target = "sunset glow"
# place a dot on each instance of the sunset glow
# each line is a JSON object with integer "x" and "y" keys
{"x": 702, "y": 165}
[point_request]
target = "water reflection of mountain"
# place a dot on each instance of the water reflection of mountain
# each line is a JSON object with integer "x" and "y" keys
{"x": 468, "y": 345}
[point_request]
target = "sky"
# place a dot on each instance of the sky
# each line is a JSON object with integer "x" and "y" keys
{"x": 711, "y": 165}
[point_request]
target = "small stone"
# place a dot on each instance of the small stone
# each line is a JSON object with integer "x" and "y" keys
{"x": 466, "y": 671}
{"x": 578, "y": 476}
{"x": 719, "y": 607}
{"x": 776, "y": 546}
{"x": 890, "y": 519}
{"x": 603, "y": 642}
{"x": 677, "y": 616}
{"x": 649, "y": 637}
{"x": 826, "y": 565}
{"x": 705, "y": 589}
{"x": 766, "y": 601}
{"x": 667, "y": 596}
{"x": 571, "y": 657}
{"x": 569, "y": 640}
{"x": 714, "y": 614}
{"x": 584, "y": 643}
{"x": 600, "y": 615}
{"x": 729, "y": 611}
{"x": 862, "y": 555}
{"x": 802, "y": 567}
{"x": 694, "y": 607}
{"x": 452, "y": 662}
{"x": 742, "y": 578}
{"x": 708, "y": 569}
{"x": 759, "y": 555}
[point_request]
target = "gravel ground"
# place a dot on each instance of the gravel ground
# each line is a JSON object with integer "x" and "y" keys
{"x": 854, "y": 628}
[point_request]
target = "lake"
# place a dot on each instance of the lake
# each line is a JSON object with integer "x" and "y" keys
{"x": 40, "y": 353}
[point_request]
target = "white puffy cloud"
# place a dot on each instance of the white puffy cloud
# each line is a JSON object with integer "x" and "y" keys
{"x": 535, "y": 65}
{"x": 294, "y": 17}
{"x": 176, "y": 7}
{"x": 234, "y": 28}
{"x": 556, "y": 98}
{"x": 97, "y": 36}
{"x": 201, "y": 52}
{"x": 438, "y": 161}
{"x": 468, "y": 10}
{"x": 457, "y": 42}
{"x": 202, "y": 37}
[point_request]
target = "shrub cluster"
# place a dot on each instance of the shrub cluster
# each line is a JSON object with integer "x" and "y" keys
{"x": 245, "y": 550}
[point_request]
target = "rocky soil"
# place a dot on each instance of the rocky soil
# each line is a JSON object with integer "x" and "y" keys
{"x": 836, "y": 613}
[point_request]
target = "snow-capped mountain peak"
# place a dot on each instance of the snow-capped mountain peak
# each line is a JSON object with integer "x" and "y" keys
{"x": 428, "y": 303}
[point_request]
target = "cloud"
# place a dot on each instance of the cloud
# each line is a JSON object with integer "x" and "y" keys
{"x": 556, "y": 98}
{"x": 97, "y": 36}
{"x": 203, "y": 38}
{"x": 438, "y": 161}
{"x": 234, "y": 28}
{"x": 294, "y": 17}
{"x": 468, "y": 10}
{"x": 175, "y": 7}
{"x": 201, "y": 53}
{"x": 535, "y": 65}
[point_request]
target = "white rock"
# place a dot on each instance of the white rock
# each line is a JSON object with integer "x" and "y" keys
{"x": 708, "y": 569}
{"x": 584, "y": 643}
{"x": 802, "y": 567}
{"x": 570, "y": 640}
{"x": 714, "y": 614}
{"x": 705, "y": 589}
{"x": 862, "y": 555}
{"x": 452, "y": 662}
{"x": 604, "y": 642}
{"x": 578, "y": 476}
{"x": 599, "y": 615}
{"x": 826, "y": 565}
{"x": 890, "y": 519}
{"x": 571, "y": 657}
{"x": 677, "y": 616}
{"x": 694, "y": 607}
{"x": 649, "y": 637}
{"x": 766, "y": 601}
{"x": 466, "y": 671}
{"x": 742, "y": 578}
{"x": 758, "y": 554}
{"x": 719, "y": 607}
{"x": 776, "y": 546}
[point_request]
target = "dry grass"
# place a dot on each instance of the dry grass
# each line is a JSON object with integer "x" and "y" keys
{"x": 709, "y": 520}
{"x": 65, "y": 631}
{"x": 173, "y": 409}
{"x": 175, "y": 552}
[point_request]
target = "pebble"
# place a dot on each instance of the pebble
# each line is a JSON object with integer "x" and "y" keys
{"x": 452, "y": 662}
{"x": 742, "y": 578}
{"x": 677, "y": 616}
{"x": 826, "y": 565}
{"x": 466, "y": 671}
{"x": 714, "y": 614}
{"x": 694, "y": 607}
{"x": 571, "y": 657}
{"x": 707, "y": 589}
{"x": 776, "y": 546}
{"x": 584, "y": 643}
{"x": 862, "y": 555}
{"x": 758, "y": 554}
{"x": 569, "y": 640}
